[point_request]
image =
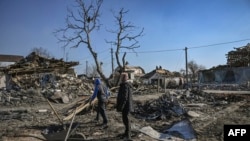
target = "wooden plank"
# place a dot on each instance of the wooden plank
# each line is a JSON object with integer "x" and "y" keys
{"x": 79, "y": 109}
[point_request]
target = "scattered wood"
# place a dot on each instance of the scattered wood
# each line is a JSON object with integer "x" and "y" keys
{"x": 80, "y": 108}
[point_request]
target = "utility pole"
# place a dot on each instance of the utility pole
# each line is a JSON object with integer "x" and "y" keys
{"x": 112, "y": 60}
{"x": 86, "y": 68}
{"x": 64, "y": 53}
{"x": 186, "y": 66}
{"x": 67, "y": 56}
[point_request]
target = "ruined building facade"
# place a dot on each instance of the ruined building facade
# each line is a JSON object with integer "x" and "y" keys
{"x": 239, "y": 57}
{"x": 235, "y": 73}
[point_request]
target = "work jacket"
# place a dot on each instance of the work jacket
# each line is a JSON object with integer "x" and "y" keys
{"x": 124, "y": 98}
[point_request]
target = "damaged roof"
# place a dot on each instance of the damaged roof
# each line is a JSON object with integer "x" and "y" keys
{"x": 239, "y": 57}
{"x": 35, "y": 63}
{"x": 10, "y": 58}
{"x": 162, "y": 72}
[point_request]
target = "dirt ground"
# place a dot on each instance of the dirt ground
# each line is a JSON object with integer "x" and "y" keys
{"x": 207, "y": 113}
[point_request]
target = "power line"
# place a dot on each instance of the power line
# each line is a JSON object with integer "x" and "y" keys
{"x": 91, "y": 57}
{"x": 155, "y": 51}
{"x": 179, "y": 61}
{"x": 219, "y": 43}
{"x": 167, "y": 50}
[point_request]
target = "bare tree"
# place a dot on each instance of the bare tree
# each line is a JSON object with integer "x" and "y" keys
{"x": 124, "y": 37}
{"x": 79, "y": 26}
{"x": 92, "y": 71}
{"x": 81, "y": 23}
{"x": 193, "y": 69}
{"x": 177, "y": 74}
{"x": 41, "y": 52}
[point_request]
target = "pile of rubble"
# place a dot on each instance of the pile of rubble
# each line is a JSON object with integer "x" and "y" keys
{"x": 160, "y": 114}
{"x": 173, "y": 115}
{"x": 35, "y": 78}
{"x": 33, "y": 70}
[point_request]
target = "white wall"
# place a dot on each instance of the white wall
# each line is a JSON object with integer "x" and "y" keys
{"x": 2, "y": 81}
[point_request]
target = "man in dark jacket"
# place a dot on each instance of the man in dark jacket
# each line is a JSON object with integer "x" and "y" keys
{"x": 125, "y": 103}
{"x": 101, "y": 96}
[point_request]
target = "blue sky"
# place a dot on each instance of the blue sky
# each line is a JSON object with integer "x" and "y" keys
{"x": 169, "y": 27}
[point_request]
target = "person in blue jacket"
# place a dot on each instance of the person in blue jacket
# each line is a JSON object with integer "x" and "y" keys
{"x": 99, "y": 92}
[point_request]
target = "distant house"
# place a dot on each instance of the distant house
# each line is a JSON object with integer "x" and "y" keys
{"x": 5, "y": 61}
{"x": 155, "y": 76}
{"x": 134, "y": 72}
{"x": 163, "y": 78}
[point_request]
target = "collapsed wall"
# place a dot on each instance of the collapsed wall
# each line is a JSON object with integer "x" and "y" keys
{"x": 239, "y": 77}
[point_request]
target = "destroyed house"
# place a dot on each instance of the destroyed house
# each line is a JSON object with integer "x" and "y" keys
{"x": 239, "y": 57}
{"x": 134, "y": 72}
{"x": 10, "y": 58}
{"x": 30, "y": 71}
{"x": 6, "y": 60}
{"x": 157, "y": 76}
{"x": 236, "y": 72}
{"x": 225, "y": 76}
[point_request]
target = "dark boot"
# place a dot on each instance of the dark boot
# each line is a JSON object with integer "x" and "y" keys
{"x": 127, "y": 135}
{"x": 127, "y": 139}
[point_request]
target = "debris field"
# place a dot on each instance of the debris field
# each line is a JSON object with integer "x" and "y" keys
{"x": 52, "y": 104}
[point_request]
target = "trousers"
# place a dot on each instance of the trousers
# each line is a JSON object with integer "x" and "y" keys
{"x": 126, "y": 122}
{"x": 101, "y": 109}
